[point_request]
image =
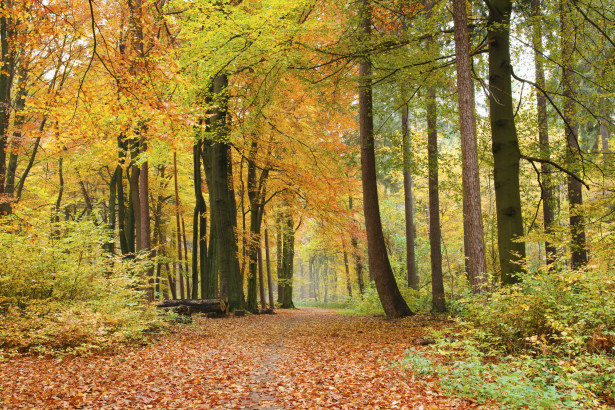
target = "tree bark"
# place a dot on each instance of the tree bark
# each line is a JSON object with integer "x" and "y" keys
{"x": 413, "y": 279}
{"x": 548, "y": 202}
{"x": 6, "y": 83}
{"x": 269, "y": 280}
{"x": 476, "y": 265}
{"x": 578, "y": 243}
{"x": 224, "y": 205}
{"x": 288, "y": 256}
{"x": 505, "y": 144}
{"x": 435, "y": 234}
{"x": 393, "y": 303}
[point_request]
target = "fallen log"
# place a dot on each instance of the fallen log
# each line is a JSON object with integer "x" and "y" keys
{"x": 190, "y": 306}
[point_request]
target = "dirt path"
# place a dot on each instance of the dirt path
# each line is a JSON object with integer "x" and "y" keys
{"x": 306, "y": 358}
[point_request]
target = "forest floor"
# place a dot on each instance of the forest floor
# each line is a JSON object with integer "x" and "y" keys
{"x": 302, "y": 358}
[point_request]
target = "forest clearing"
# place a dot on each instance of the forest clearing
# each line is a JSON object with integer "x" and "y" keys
{"x": 178, "y": 176}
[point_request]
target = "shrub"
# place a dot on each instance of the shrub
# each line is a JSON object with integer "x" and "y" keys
{"x": 60, "y": 291}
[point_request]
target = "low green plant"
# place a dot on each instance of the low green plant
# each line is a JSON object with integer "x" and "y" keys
{"x": 511, "y": 382}
{"x": 60, "y": 291}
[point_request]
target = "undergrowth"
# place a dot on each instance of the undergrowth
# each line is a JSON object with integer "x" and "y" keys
{"x": 547, "y": 342}
{"x": 61, "y": 292}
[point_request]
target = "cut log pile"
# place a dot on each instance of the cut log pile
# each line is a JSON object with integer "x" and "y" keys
{"x": 189, "y": 306}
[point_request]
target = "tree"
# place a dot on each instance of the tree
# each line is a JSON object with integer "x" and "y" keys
{"x": 504, "y": 142}
{"x": 575, "y": 195}
{"x": 472, "y": 209}
{"x": 393, "y": 303}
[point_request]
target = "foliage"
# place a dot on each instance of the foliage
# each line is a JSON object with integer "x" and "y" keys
{"x": 61, "y": 292}
{"x": 325, "y": 305}
{"x": 563, "y": 312}
{"x": 513, "y": 382}
{"x": 369, "y": 304}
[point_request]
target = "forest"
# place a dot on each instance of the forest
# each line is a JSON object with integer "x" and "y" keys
{"x": 431, "y": 180}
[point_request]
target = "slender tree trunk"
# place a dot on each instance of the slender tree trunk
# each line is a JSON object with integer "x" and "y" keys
{"x": 575, "y": 195}
{"x": 347, "y": 270}
{"x": 20, "y": 99}
{"x": 117, "y": 175}
{"x": 435, "y": 235}
{"x": 548, "y": 202}
{"x": 261, "y": 279}
{"x": 288, "y": 256}
{"x": 145, "y": 232}
{"x": 505, "y": 144}
{"x": 413, "y": 279}
{"x": 393, "y": 303}
{"x": 269, "y": 280}
{"x": 476, "y": 265}
{"x": 135, "y": 197}
{"x": 6, "y": 83}
{"x": 358, "y": 261}
{"x": 279, "y": 253}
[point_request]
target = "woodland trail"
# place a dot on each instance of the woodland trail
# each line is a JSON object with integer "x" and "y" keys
{"x": 305, "y": 358}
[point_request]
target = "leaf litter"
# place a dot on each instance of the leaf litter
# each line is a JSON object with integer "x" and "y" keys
{"x": 304, "y": 358}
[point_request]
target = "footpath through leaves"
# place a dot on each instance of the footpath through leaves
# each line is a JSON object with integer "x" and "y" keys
{"x": 307, "y": 358}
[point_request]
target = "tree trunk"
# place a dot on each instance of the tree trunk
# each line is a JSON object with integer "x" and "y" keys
{"x": 288, "y": 256}
{"x": 505, "y": 144}
{"x": 269, "y": 280}
{"x": 575, "y": 196}
{"x": 393, "y": 303}
{"x": 548, "y": 202}
{"x": 476, "y": 264}
{"x": 6, "y": 82}
{"x": 347, "y": 270}
{"x": 145, "y": 234}
{"x": 435, "y": 235}
{"x": 413, "y": 279}
{"x": 224, "y": 205}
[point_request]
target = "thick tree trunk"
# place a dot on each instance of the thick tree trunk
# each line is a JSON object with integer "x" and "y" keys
{"x": 505, "y": 144}
{"x": 476, "y": 265}
{"x": 269, "y": 279}
{"x": 393, "y": 303}
{"x": 435, "y": 234}
{"x": 578, "y": 243}
{"x": 413, "y": 278}
{"x": 224, "y": 205}
{"x": 548, "y": 202}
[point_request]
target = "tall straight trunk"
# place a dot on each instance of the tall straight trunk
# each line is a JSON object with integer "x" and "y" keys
{"x": 145, "y": 233}
{"x": 20, "y": 100}
{"x": 269, "y": 279}
{"x": 347, "y": 270}
{"x": 505, "y": 144}
{"x": 392, "y": 301}
{"x": 135, "y": 199}
{"x": 117, "y": 175}
{"x": 578, "y": 243}
{"x": 435, "y": 234}
{"x": 413, "y": 278}
{"x": 358, "y": 261}
{"x": 279, "y": 252}
{"x": 180, "y": 276}
{"x": 548, "y": 202}
{"x": 224, "y": 205}
{"x": 261, "y": 279}
{"x": 212, "y": 253}
{"x": 121, "y": 211}
{"x": 474, "y": 244}
{"x": 6, "y": 82}
{"x": 288, "y": 256}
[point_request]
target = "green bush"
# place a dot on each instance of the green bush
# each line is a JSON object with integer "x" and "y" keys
{"x": 565, "y": 312}
{"x": 60, "y": 291}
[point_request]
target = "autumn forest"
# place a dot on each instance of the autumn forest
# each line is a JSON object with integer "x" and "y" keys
{"x": 274, "y": 204}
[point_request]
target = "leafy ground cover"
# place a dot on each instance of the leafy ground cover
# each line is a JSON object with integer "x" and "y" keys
{"x": 306, "y": 358}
